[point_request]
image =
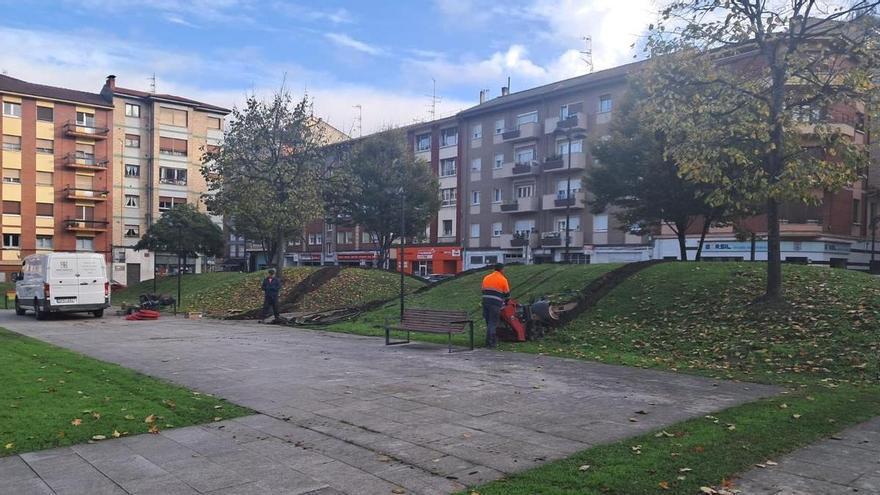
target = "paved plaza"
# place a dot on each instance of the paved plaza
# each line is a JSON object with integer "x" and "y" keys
{"x": 340, "y": 413}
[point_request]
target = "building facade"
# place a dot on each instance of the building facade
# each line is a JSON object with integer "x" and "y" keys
{"x": 57, "y": 184}
{"x": 157, "y": 153}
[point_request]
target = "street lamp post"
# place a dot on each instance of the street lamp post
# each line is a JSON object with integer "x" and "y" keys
{"x": 873, "y": 225}
{"x": 570, "y": 133}
{"x": 402, "y": 235}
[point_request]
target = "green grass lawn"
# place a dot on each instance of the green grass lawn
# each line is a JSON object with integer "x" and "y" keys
{"x": 356, "y": 287}
{"x": 527, "y": 282}
{"x": 822, "y": 346}
{"x": 53, "y": 397}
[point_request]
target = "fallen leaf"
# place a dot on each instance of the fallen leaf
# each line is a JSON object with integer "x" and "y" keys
{"x": 664, "y": 485}
{"x": 96, "y": 415}
{"x": 664, "y": 433}
{"x": 9, "y": 445}
{"x": 685, "y": 470}
{"x": 771, "y": 463}
{"x": 76, "y": 422}
{"x": 398, "y": 490}
{"x": 584, "y": 467}
{"x": 116, "y": 434}
{"x": 708, "y": 491}
{"x": 150, "y": 419}
{"x": 796, "y": 416}
{"x": 99, "y": 437}
{"x": 129, "y": 416}
{"x": 217, "y": 418}
{"x": 384, "y": 458}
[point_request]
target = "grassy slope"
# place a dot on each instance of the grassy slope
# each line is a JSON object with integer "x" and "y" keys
{"x": 527, "y": 282}
{"x": 46, "y": 389}
{"x": 696, "y": 318}
{"x": 355, "y": 287}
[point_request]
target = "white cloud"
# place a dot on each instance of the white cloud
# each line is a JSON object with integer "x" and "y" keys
{"x": 347, "y": 41}
{"x": 175, "y": 19}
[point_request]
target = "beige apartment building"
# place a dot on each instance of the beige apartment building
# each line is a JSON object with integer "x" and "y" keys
{"x": 158, "y": 144}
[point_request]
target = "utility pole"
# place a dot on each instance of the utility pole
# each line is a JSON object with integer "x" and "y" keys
{"x": 587, "y": 53}
{"x": 152, "y": 80}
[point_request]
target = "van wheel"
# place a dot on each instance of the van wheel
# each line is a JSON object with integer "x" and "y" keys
{"x": 38, "y": 311}
{"x": 98, "y": 313}
{"x": 18, "y": 309}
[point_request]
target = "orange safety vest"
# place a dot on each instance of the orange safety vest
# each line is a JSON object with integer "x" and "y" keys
{"x": 495, "y": 288}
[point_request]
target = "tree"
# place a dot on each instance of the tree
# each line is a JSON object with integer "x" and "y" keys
{"x": 379, "y": 172}
{"x": 266, "y": 178}
{"x": 735, "y": 80}
{"x": 635, "y": 175}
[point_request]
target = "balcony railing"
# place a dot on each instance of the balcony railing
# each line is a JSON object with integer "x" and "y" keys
{"x": 528, "y": 130}
{"x": 77, "y": 129}
{"x": 84, "y": 162}
{"x": 519, "y": 240}
{"x": 80, "y": 225}
{"x": 86, "y": 194}
{"x": 523, "y": 168}
{"x": 559, "y": 163}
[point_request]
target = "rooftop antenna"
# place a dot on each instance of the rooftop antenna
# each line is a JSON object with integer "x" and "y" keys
{"x": 587, "y": 53}
{"x": 359, "y": 120}
{"x": 434, "y": 99}
{"x": 152, "y": 80}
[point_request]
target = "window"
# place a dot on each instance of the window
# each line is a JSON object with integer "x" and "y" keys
{"x": 496, "y": 229}
{"x": 496, "y": 195}
{"x": 449, "y": 137}
{"x": 132, "y": 110}
{"x": 447, "y": 228}
{"x": 11, "y": 109}
{"x": 45, "y": 209}
{"x": 45, "y": 178}
{"x": 476, "y": 165}
{"x": 574, "y": 223}
{"x": 475, "y": 230}
{"x": 345, "y": 238}
{"x": 576, "y": 147}
{"x": 176, "y": 176}
{"x": 215, "y": 123}
{"x": 11, "y": 241}
{"x": 11, "y": 143}
{"x": 46, "y": 114}
{"x": 132, "y": 230}
{"x": 423, "y": 142}
{"x": 499, "y": 160}
{"x": 605, "y": 103}
{"x": 85, "y": 153}
{"x": 600, "y": 223}
{"x": 499, "y": 126}
{"x": 172, "y": 146}
{"x": 132, "y": 170}
{"x": 525, "y": 190}
{"x": 563, "y": 112}
{"x": 12, "y": 207}
{"x": 315, "y": 240}
{"x": 526, "y": 118}
{"x": 525, "y": 155}
{"x": 475, "y": 198}
{"x": 366, "y": 237}
{"x": 12, "y": 175}
{"x": 44, "y": 242}
{"x": 524, "y": 227}
{"x": 85, "y": 119}
{"x": 85, "y": 244}
{"x": 132, "y": 141}
{"x": 563, "y": 185}
{"x": 806, "y": 114}
{"x": 477, "y": 131}
{"x": 856, "y": 211}
{"x": 447, "y": 197}
{"x": 45, "y": 146}
{"x": 447, "y": 167}
{"x": 132, "y": 201}
{"x": 168, "y": 202}
{"x": 476, "y": 260}
{"x": 172, "y": 116}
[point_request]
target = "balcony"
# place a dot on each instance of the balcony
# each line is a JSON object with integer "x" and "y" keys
{"x": 576, "y": 120}
{"x": 77, "y": 129}
{"x": 86, "y": 226}
{"x": 85, "y": 194}
{"x": 556, "y": 239}
{"x": 524, "y": 132}
{"x": 559, "y": 163}
{"x": 520, "y": 205}
{"x": 84, "y": 163}
{"x": 515, "y": 240}
{"x": 527, "y": 168}
{"x": 559, "y": 201}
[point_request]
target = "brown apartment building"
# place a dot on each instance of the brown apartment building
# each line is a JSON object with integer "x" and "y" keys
{"x": 57, "y": 186}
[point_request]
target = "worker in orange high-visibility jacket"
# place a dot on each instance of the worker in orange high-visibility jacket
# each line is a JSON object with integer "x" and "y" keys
{"x": 496, "y": 292}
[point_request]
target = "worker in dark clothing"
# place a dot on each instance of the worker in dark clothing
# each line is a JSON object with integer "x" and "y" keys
{"x": 271, "y": 288}
{"x": 496, "y": 292}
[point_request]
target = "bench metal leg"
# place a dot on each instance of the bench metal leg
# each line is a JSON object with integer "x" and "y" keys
{"x": 472, "y": 335}
{"x": 450, "y": 342}
{"x": 388, "y": 335}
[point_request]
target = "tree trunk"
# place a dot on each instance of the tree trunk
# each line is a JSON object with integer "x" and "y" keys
{"x": 774, "y": 255}
{"x": 752, "y": 248}
{"x": 774, "y": 166}
{"x": 707, "y": 222}
{"x": 681, "y": 233}
{"x": 279, "y": 254}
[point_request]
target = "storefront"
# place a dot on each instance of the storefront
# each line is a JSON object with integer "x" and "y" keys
{"x": 423, "y": 261}
{"x": 356, "y": 258}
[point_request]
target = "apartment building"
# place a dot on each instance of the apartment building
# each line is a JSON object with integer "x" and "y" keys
{"x": 157, "y": 151}
{"x": 524, "y": 157}
{"x": 56, "y": 189}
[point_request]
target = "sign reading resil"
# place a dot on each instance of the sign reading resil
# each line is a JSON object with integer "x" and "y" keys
{"x": 428, "y": 260}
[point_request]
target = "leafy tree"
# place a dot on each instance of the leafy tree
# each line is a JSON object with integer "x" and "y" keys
{"x": 734, "y": 80}
{"x": 637, "y": 177}
{"x": 378, "y": 172}
{"x": 266, "y": 178}
{"x": 184, "y": 231}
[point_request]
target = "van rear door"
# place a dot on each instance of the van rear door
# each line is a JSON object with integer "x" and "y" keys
{"x": 62, "y": 279}
{"x": 92, "y": 276}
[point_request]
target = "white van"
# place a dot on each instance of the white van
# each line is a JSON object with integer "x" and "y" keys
{"x": 62, "y": 283}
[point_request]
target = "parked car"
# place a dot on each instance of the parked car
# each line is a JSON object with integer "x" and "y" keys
{"x": 436, "y": 277}
{"x": 62, "y": 283}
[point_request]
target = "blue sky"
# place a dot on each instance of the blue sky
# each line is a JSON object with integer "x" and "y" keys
{"x": 380, "y": 55}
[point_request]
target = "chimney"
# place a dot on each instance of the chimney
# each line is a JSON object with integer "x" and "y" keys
{"x": 482, "y": 96}
{"x": 111, "y": 82}
{"x": 505, "y": 91}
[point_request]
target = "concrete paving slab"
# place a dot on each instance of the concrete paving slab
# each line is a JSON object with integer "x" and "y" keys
{"x": 346, "y": 414}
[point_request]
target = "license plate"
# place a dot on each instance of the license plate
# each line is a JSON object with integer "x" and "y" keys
{"x": 65, "y": 299}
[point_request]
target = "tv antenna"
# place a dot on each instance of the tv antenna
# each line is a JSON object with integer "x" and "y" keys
{"x": 152, "y": 80}
{"x": 587, "y": 53}
{"x": 434, "y": 99}
{"x": 359, "y": 120}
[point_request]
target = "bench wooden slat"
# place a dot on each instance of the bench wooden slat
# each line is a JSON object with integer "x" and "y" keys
{"x": 436, "y": 321}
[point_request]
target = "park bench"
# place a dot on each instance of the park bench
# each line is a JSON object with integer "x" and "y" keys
{"x": 431, "y": 321}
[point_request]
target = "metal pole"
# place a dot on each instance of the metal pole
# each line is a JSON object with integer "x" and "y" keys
{"x": 873, "y": 241}
{"x": 402, "y": 235}
{"x": 568, "y": 201}
{"x": 178, "y": 268}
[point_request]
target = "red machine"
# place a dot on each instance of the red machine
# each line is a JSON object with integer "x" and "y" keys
{"x": 514, "y": 325}
{"x": 522, "y": 322}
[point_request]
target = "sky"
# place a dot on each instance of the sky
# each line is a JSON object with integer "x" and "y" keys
{"x": 386, "y": 56}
